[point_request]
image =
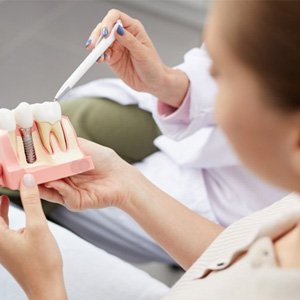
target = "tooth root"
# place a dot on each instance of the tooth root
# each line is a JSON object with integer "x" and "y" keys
{"x": 59, "y": 134}
{"x": 44, "y": 131}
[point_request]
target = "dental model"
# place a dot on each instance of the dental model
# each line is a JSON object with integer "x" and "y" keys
{"x": 37, "y": 139}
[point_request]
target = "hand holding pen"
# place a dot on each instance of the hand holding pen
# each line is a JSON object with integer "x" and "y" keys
{"x": 134, "y": 59}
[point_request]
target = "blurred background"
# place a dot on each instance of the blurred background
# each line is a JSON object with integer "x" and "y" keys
{"x": 43, "y": 41}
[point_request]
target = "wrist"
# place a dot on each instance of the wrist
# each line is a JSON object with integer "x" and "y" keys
{"x": 52, "y": 289}
{"x": 174, "y": 87}
{"x": 142, "y": 194}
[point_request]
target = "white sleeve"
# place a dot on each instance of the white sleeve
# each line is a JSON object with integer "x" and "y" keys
{"x": 197, "y": 110}
{"x": 191, "y": 136}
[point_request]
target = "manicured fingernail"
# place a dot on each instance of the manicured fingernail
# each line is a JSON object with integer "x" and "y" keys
{"x": 29, "y": 181}
{"x": 103, "y": 56}
{"x": 89, "y": 41}
{"x": 99, "y": 59}
{"x": 104, "y": 32}
{"x": 120, "y": 30}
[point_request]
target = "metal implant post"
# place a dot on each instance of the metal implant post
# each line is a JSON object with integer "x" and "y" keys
{"x": 28, "y": 145}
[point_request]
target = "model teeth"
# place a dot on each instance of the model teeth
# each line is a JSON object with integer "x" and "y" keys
{"x": 23, "y": 115}
{"x": 48, "y": 116}
{"x": 49, "y": 112}
{"x": 7, "y": 120}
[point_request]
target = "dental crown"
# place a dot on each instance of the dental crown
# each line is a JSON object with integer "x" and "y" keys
{"x": 47, "y": 112}
{"x": 23, "y": 115}
{"x": 7, "y": 120}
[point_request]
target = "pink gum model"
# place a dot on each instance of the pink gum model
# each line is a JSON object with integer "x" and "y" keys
{"x": 13, "y": 172}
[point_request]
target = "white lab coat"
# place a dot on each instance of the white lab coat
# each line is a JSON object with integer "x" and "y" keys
{"x": 195, "y": 164}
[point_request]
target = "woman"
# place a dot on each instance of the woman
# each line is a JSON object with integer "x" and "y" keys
{"x": 252, "y": 258}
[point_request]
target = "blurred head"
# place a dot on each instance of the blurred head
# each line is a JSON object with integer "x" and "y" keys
{"x": 255, "y": 48}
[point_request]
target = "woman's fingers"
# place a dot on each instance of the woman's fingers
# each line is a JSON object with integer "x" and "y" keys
{"x": 114, "y": 15}
{"x": 30, "y": 197}
{"x": 130, "y": 42}
{"x": 66, "y": 190}
{"x": 94, "y": 37}
{"x": 103, "y": 29}
{"x": 4, "y": 207}
{"x": 50, "y": 194}
{"x": 3, "y": 225}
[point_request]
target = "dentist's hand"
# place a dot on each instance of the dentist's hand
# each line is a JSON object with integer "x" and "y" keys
{"x": 31, "y": 254}
{"x": 111, "y": 183}
{"x": 134, "y": 59}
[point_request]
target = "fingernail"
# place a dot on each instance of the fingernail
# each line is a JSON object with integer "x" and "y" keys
{"x": 120, "y": 30}
{"x": 29, "y": 181}
{"x": 89, "y": 41}
{"x": 104, "y": 32}
{"x": 99, "y": 59}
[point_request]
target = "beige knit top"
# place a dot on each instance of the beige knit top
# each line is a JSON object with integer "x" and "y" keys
{"x": 218, "y": 274}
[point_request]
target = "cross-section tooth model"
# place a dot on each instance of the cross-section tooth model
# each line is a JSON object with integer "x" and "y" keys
{"x": 37, "y": 139}
{"x": 47, "y": 116}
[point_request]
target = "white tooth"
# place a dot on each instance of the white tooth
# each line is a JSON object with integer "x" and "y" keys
{"x": 7, "y": 120}
{"x": 23, "y": 115}
{"x": 8, "y": 123}
{"x": 47, "y": 112}
{"x": 48, "y": 116}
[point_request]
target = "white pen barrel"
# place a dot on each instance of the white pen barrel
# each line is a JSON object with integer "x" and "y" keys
{"x": 104, "y": 44}
{"x": 90, "y": 60}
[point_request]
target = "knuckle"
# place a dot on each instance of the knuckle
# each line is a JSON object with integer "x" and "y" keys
{"x": 31, "y": 198}
{"x": 96, "y": 29}
{"x": 138, "y": 22}
{"x": 113, "y": 12}
{"x": 38, "y": 227}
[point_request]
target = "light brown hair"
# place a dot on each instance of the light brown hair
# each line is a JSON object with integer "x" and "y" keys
{"x": 265, "y": 35}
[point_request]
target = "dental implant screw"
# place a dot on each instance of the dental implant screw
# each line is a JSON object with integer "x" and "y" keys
{"x": 28, "y": 145}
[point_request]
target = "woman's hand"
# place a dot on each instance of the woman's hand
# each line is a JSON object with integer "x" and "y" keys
{"x": 112, "y": 182}
{"x": 31, "y": 254}
{"x": 116, "y": 183}
{"x": 135, "y": 60}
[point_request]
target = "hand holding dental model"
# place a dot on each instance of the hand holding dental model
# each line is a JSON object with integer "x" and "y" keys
{"x": 37, "y": 139}
{"x": 35, "y": 274}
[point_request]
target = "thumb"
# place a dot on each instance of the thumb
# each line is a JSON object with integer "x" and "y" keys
{"x": 31, "y": 201}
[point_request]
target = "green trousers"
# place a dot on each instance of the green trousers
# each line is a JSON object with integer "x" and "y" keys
{"x": 128, "y": 130}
